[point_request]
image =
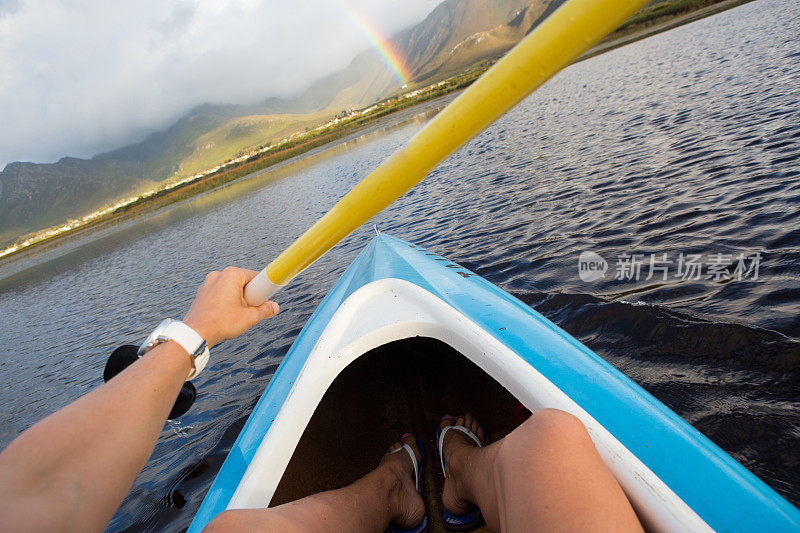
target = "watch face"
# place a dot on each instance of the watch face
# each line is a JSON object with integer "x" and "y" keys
{"x": 155, "y": 337}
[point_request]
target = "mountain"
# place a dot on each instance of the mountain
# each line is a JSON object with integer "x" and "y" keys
{"x": 454, "y": 36}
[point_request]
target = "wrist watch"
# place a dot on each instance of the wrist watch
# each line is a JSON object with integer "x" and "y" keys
{"x": 186, "y": 337}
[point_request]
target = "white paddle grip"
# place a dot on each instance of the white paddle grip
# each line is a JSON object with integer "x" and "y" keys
{"x": 259, "y": 289}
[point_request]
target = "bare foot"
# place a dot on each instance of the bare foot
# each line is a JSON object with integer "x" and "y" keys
{"x": 407, "y": 507}
{"x": 456, "y": 450}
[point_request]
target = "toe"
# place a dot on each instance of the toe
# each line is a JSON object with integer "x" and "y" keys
{"x": 447, "y": 420}
{"x": 411, "y": 440}
{"x": 460, "y": 420}
{"x": 482, "y": 436}
{"x": 468, "y": 420}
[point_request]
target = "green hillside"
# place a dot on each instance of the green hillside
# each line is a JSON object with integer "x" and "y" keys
{"x": 457, "y": 34}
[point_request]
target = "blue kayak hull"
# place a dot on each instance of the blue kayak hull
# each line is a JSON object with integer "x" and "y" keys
{"x": 724, "y": 494}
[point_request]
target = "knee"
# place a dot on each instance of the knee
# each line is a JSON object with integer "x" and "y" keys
{"x": 252, "y": 520}
{"x": 560, "y": 426}
{"x": 247, "y": 520}
{"x": 548, "y": 429}
{"x": 224, "y": 521}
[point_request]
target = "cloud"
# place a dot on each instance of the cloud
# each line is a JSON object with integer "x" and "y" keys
{"x": 8, "y": 6}
{"x": 79, "y": 78}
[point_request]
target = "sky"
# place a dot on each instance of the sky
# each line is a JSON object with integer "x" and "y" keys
{"x": 80, "y": 77}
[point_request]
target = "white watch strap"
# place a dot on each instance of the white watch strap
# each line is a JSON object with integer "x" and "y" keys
{"x": 190, "y": 341}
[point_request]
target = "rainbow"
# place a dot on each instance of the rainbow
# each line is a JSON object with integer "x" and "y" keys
{"x": 386, "y": 52}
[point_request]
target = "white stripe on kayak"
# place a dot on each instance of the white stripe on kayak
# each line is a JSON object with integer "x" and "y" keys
{"x": 392, "y": 309}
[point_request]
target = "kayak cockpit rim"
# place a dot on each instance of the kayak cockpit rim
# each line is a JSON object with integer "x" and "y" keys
{"x": 389, "y": 309}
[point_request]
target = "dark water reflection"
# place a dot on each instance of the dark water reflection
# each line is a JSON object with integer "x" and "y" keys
{"x": 688, "y": 142}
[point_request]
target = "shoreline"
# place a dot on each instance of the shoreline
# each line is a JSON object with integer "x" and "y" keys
{"x": 62, "y": 245}
{"x": 328, "y": 141}
{"x": 658, "y": 26}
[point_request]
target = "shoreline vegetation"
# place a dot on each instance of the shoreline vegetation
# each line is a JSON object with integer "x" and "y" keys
{"x": 653, "y": 19}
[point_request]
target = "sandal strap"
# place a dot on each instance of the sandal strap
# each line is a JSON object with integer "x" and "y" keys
{"x": 413, "y": 456}
{"x": 463, "y": 430}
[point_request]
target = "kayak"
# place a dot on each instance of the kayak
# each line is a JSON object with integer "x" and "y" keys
{"x": 405, "y": 336}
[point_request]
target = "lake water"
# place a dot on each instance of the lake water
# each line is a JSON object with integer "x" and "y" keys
{"x": 684, "y": 143}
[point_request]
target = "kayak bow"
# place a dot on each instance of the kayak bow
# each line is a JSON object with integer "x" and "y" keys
{"x": 675, "y": 477}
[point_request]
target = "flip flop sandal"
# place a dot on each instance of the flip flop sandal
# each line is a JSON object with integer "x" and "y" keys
{"x": 472, "y": 519}
{"x": 419, "y": 473}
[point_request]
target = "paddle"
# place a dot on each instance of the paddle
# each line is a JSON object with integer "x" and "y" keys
{"x": 554, "y": 44}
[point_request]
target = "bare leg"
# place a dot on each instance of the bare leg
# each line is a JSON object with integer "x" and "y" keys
{"x": 546, "y": 475}
{"x": 387, "y": 494}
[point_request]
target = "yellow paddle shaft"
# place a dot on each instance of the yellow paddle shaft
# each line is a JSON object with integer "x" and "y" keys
{"x": 554, "y": 44}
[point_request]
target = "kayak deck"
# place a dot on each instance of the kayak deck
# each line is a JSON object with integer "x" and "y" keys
{"x": 676, "y": 479}
{"x": 406, "y": 385}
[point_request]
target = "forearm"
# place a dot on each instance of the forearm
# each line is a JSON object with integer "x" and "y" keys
{"x": 72, "y": 469}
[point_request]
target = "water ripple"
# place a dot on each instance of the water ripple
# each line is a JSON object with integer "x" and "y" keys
{"x": 687, "y": 142}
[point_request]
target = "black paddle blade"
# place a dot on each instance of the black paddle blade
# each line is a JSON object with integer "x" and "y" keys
{"x": 184, "y": 401}
{"x": 125, "y": 355}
